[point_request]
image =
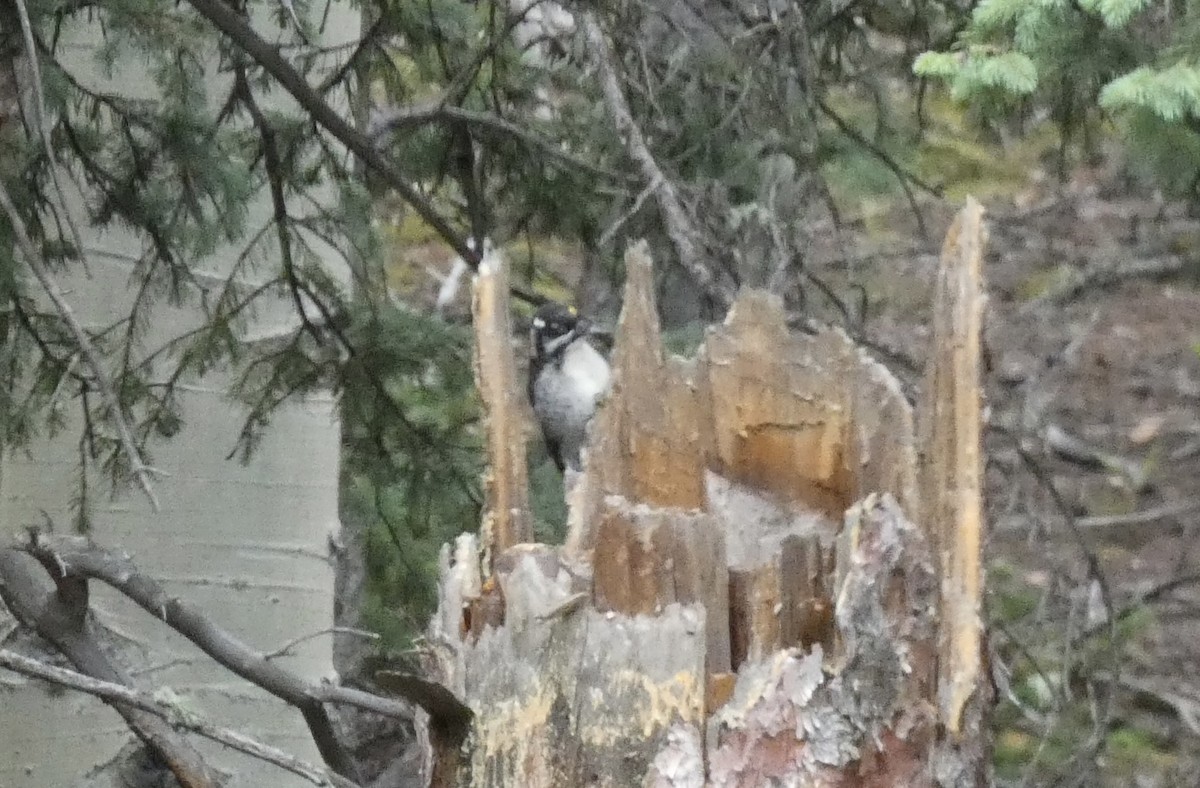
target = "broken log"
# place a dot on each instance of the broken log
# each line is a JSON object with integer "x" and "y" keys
{"x": 771, "y": 576}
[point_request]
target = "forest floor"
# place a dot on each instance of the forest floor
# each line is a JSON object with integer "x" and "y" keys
{"x": 1093, "y": 449}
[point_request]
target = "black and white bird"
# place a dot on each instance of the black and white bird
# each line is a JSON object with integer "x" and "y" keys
{"x": 567, "y": 379}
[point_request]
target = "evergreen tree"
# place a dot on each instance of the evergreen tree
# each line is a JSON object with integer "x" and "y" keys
{"x": 1128, "y": 60}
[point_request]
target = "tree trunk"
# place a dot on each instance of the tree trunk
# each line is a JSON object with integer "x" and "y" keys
{"x": 762, "y": 583}
{"x": 250, "y": 545}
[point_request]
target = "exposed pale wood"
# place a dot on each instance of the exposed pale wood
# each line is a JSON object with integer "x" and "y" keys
{"x": 506, "y": 485}
{"x": 800, "y": 419}
{"x": 951, "y": 473}
{"x": 779, "y": 422}
{"x": 552, "y": 693}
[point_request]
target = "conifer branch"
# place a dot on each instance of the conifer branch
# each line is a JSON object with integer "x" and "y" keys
{"x": 273, "y": 163}
{"x": 240, "y": 33}
{"x": 43, "y": 125}
{"x": 87, "y": 349}
{"x": 394, "y": 118}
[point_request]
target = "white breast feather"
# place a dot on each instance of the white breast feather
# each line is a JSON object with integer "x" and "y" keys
{"x": 588, "y": 370}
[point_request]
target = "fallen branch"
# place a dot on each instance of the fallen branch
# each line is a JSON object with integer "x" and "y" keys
{"x": 1103, "y": 275}
{"x": 173, "y": 714}
{"x": 1186, "y": 451}
{"x": 1077, "y": 450}
{"x": 1154, "y": 694}
{"x": 1144, "y": 517}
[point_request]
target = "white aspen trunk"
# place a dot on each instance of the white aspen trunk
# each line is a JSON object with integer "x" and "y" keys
{"x": 249, "y": 544}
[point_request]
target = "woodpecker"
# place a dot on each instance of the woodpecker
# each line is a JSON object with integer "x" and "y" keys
{"x": 567, "y": 379}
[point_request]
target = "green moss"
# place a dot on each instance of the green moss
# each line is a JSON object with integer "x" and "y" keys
{"x": 1135, "y": 751}
{"x": 685, "y": 340}
{"x": 1015, "y": 604}
{"x": 1042, "y": 281}
{"x": 951, "y": 150}
{"x": 1013, "y": 750}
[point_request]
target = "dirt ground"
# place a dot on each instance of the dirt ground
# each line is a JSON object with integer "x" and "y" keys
{"x": 1093, "y": 338}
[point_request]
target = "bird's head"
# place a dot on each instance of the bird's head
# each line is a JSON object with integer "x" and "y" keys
{"x": 555, "y": 326}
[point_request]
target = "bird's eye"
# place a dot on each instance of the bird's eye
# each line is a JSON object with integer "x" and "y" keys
{"x": 538, "y": 323}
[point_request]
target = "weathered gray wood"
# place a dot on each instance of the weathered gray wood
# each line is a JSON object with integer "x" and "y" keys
{"x": 553, "y": 687}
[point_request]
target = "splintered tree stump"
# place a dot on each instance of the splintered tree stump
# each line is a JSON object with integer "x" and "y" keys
{"x": 761, "y": 583}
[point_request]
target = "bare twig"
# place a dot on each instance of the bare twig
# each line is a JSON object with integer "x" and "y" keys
{"x": 1144, "y": 517}
{"x": 1042, "y": 476}
{"x": 84, "y": 344}
{"x": 291, "y": 644}
{"x": 681, "y": 229}
{"x": 1077, "y": 450}
{"x": 1138, "y": 602}
{"x": 902, "y": 175}
{"x": 1095, "y": 573}
{"x": 620, "y": 221}
{"x": 173, "y": 714}
{"x": 389, "y": 121}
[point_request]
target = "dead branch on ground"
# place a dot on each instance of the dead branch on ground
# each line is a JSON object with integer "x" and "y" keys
{"x": 1104, "y": 274}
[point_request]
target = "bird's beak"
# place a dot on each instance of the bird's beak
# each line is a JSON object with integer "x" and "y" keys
{"x": 600, "y": 331}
